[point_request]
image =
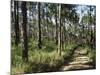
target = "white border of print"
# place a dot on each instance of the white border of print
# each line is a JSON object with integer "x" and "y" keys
{"x": 5, "y": 37}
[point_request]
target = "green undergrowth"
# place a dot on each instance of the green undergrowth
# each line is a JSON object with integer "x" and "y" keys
{"x": 92, "y": 56}
{"x": 46, "y": 59}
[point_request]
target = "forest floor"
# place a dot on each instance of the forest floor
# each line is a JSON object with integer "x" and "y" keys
{"x": 79, "y": 61}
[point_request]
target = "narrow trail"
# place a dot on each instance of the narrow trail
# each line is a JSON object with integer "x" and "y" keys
{"x": 79, "y": 61}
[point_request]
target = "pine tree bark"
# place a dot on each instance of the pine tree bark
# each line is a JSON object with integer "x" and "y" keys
{"x": 24, "y": 27}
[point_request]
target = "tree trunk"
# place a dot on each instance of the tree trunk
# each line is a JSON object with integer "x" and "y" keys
{"x": 16, "y": 15}
{"x": 94, "y": 40}
{"x": 59, "y": 32}
{"x": 24, "y": 27}
{"x": 56, "y": 27}
{"x": 47, "y": 22}
{"x": 39, "y": 26}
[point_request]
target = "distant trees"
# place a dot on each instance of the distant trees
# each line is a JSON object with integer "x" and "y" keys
{"x": 88, "y": 20}
{"x": 67, "y": 18}
{"x": 61, "y": 24}
{"x": 92, "y": 22}
{"x": 24, "y": 28}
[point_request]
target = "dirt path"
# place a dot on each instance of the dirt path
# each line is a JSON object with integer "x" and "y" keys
{"x": 79, "y": 61}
